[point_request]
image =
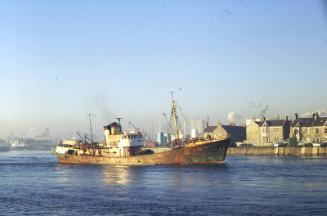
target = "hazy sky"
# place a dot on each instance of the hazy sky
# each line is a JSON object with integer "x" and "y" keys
{"x": 60, "y": 60}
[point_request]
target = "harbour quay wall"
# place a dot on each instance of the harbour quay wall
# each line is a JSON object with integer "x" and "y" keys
{"x": 282, "y": 151}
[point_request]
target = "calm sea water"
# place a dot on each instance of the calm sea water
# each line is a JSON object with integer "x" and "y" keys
{"x": 33, "y": 183}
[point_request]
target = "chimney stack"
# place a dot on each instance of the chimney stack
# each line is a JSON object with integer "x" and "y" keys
{"x": 317, "y": 115}
{"x": 296, "y": 116}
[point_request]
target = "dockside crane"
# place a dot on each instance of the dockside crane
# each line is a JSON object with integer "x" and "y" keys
{"x": 186, "y": 121}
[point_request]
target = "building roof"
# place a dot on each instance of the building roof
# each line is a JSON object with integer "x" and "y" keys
{"x": 309, "y": 122}
{"x": 320, "y": 121}
{"x": 274, "y": 123}
{"x": 234, "y": 129}
{"x": 210, "y": 129}
{"x": 228, "y": 128}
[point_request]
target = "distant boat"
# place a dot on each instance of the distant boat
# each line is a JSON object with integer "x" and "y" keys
{"x": 17, "y": 144}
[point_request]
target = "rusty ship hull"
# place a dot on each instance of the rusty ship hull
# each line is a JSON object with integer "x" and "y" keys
{"x": 209, "y": 152}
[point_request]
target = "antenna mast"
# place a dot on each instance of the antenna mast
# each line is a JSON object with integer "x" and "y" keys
{"x": 90, "y": 122}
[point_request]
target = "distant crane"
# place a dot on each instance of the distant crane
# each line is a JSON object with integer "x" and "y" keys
{"x": 184, "y": 116}
{"x": 186, "y": 121}
{"x": 146, "y": 135}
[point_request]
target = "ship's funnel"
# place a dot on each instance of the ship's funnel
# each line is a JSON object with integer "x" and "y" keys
{"x": 111, "y": 129}
{"x": 114, "y": 128}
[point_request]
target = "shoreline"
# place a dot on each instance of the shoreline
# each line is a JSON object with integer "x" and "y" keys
{"x": 278, "y": 151}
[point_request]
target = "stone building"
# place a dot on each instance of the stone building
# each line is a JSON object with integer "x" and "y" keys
{"x": 267, "y": 132}
{"x": 253, "y": 131}
{"x": 236, "y": 133}
{"x": 309, "y": 130}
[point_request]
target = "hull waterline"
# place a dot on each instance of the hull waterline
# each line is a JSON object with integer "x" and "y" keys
{"x": 212, "y": 152}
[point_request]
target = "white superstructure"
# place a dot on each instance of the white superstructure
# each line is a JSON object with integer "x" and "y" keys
{"x": 116, "y": 143}
{"x": 65, "y": 145}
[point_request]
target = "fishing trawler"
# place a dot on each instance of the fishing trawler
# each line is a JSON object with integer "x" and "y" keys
{"x": 127, "y": 148}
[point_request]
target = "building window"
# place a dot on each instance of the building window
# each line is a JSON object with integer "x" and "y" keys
{"x": 325, "y": 130}
{"x": 276, "y": 129}
{"x": 276, "y": 138}
{"x": 265, "y": 139}
{"x": 317, "y": 130}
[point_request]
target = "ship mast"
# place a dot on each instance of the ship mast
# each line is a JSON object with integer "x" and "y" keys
{"x": 175, "y": 117}
{"x": 91, "y": 129}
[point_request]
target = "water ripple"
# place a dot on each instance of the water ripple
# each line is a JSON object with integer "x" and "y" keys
{"x": 34, "y": 183}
